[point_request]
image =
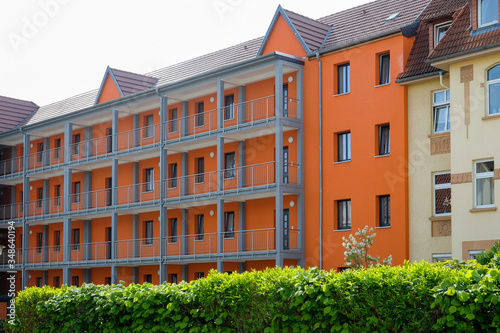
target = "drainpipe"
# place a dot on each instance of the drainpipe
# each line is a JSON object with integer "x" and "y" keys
{"x": 441, "y": 80}
{"x": 320, "y": 163}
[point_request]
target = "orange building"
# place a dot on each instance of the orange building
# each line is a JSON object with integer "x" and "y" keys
{"x": 262, "y": 154}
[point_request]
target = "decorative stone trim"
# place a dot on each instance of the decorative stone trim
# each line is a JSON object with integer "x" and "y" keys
{"x": 440, "y": 145}
{"x": 461, "y": 178}
{"x": 497, "y": 173}
{"x": 441, "y": 228}
{"x": 478, "y": 210}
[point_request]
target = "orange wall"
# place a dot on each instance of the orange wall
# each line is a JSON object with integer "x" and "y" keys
{"x": 109, "y": 90}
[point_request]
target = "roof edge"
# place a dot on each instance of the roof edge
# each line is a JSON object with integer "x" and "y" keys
{"x": 110, "y": 72}
{"x": 462, "y": 53}
{"x": 420, "y": 76}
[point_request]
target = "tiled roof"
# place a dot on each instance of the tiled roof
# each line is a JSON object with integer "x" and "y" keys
{"x": 131, "y": 83}
{"x": 459, "y": 39}
{"x": 416, "y": 64}
{"x": 369, "y": 20}
{"x": 313, "y": 32}
{"x": 438, "y": 9}
{"x": 14, "y": 112}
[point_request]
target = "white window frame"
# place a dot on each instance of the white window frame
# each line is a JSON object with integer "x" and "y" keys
{"x": 488, "y": 85}
{"x": 438, "y": 257}
{"x": 480, "y": 24}
{"x": 346, "y": 146}
{"x": 483, "y": 175}
{"x": 381, "y": 67}
{"x": 344, "y": 205}
{"x": 473, "y": 254}
{"x": 439, "y": 187}
{"x": 387, "y": 152}
{"x": 438, "y": 105}
{"x": 437, "y": 28}
{"x": 344, "y": 75}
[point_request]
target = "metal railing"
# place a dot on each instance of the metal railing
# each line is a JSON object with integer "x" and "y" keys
{"x": 192, "y": 185}
{"x": 7, "y": 255}
{"x": 45, "y": 158}
{"x": 11, "y": 166}
{"x": 11, "y": 211}
{"x": 139, "y": 137}
{"x": 46, "y": 206}
{"x": 191, "y": 125}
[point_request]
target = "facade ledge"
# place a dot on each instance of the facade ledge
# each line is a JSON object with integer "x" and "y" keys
{"x": 440, "y": 218}
{"x": 486, "y": 209}
{"x": 493, "y": 116}
{"x": 439, "y": 135}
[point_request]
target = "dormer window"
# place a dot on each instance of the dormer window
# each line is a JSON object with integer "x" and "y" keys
{"x": 487, "y": 12}
{"x": 440, "y": 31}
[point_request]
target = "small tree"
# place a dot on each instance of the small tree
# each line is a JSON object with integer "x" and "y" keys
{"x": 356, "y": 254}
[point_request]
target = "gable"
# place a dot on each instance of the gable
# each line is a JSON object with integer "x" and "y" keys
{"x": 108, "y": 91}
{"x": 281, "y": 38}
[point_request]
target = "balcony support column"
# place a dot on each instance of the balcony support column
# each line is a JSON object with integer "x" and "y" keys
{"x": 66, "y": 240}
{"x": 300, "y": 93}
{"x": 279, "y": 226}
{"x": 87, "y": 185}
{"x": 15, "y": 167}
{"x": 163, "y": 272}
{"x": 114, "y": 130}
{"x": 114, "y": 181}
{"x": 26, "y": 181}
{"x": 241, "y": 227}
{"x": 220, "y": 266}
{"x": 46, "y": 151}
{"x": 163, "y": 119}
{"x": 220, "y": 103}
{"x": 163, "y": 211}
{"x": 25, "y": 241}
{"x": 278, "y": 79}
{"x": 87, "y": 275}
{"x": 45, "y": 241}
{"x": 184, "y": 231}
{"x": 135, "y": 236}
{"x": 135, "y": 181}
{"x": 13, "y": 200}
{"x": 241, "y": 104}
{"x": 114, "y": 235}
{"x": 184, "y": 174}
{"x": 135, "y": 125}
{"x": 241, "y": 164}
{"x": 278, "y": 86}
{"x": 184, "y": 114}
{"x": 220, "y": 226}
{"x": 68, "y": 140}
{"x": 114, "y": 274}
{"x": 220, "y": 163}
{"x": 87, "y": 240}
{"x": 45, "y": 201}
{"x": 68, "y": 175}
{"x": 67, "y": 275}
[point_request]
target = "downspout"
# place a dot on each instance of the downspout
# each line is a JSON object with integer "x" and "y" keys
{"x": 320, "y": 163}
{"x": 441, "y": 80}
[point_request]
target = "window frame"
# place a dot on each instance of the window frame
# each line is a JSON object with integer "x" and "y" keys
{"x": 228, "y": 228}
{"x": 382, "y": 70}
{"x": 473, "y": 254}
{"x": 230, "y": 171}
{"x": 148, "y": 232}
{"x": 40, "y": 152}
{"x": 173, "y": 230}
{"x": 344, "y": 77}
{"x": 484, "y": 175}
{"x": 149, "y": 176}
{"x": 381, "y": 140}
{"x": 229, "y": 107}
{"x": 381, "y": 206}
{"x": 439, "y": 105}
{"x": 172, "y": 178}
{"x": 39, "y": 242}
{"x": 149, "y": 122}
{"x": 437, "y": 29}
{"x": 440, "y": 257}
{"x": 76, "y": 194}
{"x": 490, "y": 83}
{"x": 75, "y": 239}
{"x": 436, "y": 187}
{"x": 57, "y": 191}
{"x": 348, "y": 212}
{"x": 346, "y": 146}
{"x": 57, "y": 240}
{"x": 39, "y": 199}
{"x": 77, "y": 139}
{"x": 200, "y": 114}
{"x": 480, "y": 24}
{"x": 172, "y": 126}
{"x": 200, "y": 176}
{"x": 57, "y": 143}
{"x": 200, "y": 226}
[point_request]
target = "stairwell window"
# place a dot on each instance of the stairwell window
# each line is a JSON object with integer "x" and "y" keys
{"x": 149, "y": 185}
{"x": 343, "y": 79}
{"x": 384, "y": 140}
{"x": 442, "y": 193}
{"x": 39, "y": 199}
{"x": 384, "y": 211}
{"x": 344, "y": 214}
{"x": 148, "y": 120}
{"x": 39, "y": 242}
{"x": 494, "y": 90}
{"x": 384, "y": 69}
{"x": 344, "y": 147}
{"x": 441, "y": 111}
{"x": 57, "y": 241}
{"x": 487, "y": 12}
{"x": 58, "y": 195}
{"x": 484, "y": 184}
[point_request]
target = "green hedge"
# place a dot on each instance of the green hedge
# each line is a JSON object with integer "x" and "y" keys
{"x": 421, "y": 297}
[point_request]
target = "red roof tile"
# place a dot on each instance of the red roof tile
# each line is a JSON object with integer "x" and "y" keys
{"x": 438, "y": 9}
{"x": 131, "y": 83}
{"x": 14, "y": 112}
{"x": 313, "y": 33}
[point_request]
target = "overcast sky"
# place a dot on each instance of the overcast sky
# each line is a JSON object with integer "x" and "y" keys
{"x": 54, "y": 49}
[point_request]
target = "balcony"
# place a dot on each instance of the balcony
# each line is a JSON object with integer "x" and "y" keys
{"x": 11, "y": 212}
{"x": 46, "y": 159}
{"x": 236, "y": 244}
{"x": 12, "y": 167}
{"x": 192, "y": 125}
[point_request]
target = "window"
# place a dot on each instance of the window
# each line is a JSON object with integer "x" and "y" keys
{"x": 441, "y": 111}
{"x": 384, "y": 140}
{"x": 173, "y": 121}
{"x": 107, "y": 280}
{"x": 229, "y": 225}
{"x": 148, "y": 278}
{"x": 441, "y": 257}
{"x": 200, "y": 227}
{"x": 39, "y": 201}
{"x": 39, "y": 242}
{"x": 474, "y": 254}
{"x": 487, "y": 12}
{"x": 440, "y": 31}
{"x": 148, "y": 232}
{"x": 109, "y": 140}
{"x": 57, "y": 240}
{"x": 384, "y": 69}
{"x": 148, "y": 120}
{"x": 172, "y": 170}
{"x": 200, "y": 275}
{"x": 494, "y": 90}
{"x": 229, "y": 107}
{"x": 229, "y": 164}
{"x": 149, "y": 185}
{"x": 57, "y": 281}
{"x": 76, "y": 239}
{"x": 442, "y": 194}
{"x": 200, "y": 170}
{"x": 173, "y": 278}
{"x": 39, "y": 282}
{"x": 173, "y": 230}
{"x": 200, "y": 118}
{"x": 343, "y": 78}
{"x": 58, "y": 149}
{"x": 76, "y": 191}
{"x": 344, "y": 214}
{"x": 76, "y": 147}
{"x": 484, "y": 183}
{"x": 40, "y": 152}
{"x": 75, "y": 281}
{"x": 344, "y": 147}
{"x": 384, "y": 211}
{"x": 58, "y": 195}
{"x": 108, "y": 182}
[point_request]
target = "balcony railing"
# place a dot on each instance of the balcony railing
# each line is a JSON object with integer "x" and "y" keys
{"x": 192, "y": 185}
{"x": 11, "y": 212}
{"x": 140, "y": 137}
{"x": 45, "y": 158}
{"x": 191, "y": 125}
{"x": 91, "y": 148}
{"x": 11, "y": 166}
{"x": 6, "y": 257}
{"x": 234, "y": 242}
{"x": 47, "y": 206}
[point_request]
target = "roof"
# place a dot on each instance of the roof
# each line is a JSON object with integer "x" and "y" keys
{"x": 130, "y": 83}
{"x": 439, "y": 9}
{"x": 14, "y": 112}
{"x": 459, "y": 39}
{"x": 368, "y": 20}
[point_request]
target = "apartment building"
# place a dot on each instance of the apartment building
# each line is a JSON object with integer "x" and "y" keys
{"x": 452, "y": 77}
{"x": 263, "y": 154}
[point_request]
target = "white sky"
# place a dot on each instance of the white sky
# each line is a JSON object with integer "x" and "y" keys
{"x": 54, "y": 49}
